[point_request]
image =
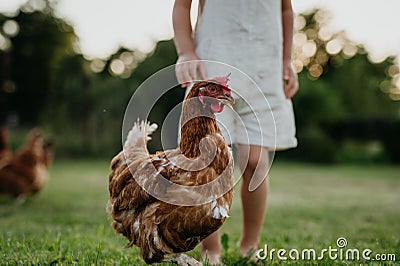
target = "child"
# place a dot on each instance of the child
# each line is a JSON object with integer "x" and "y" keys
{"x": 255, "y": 37}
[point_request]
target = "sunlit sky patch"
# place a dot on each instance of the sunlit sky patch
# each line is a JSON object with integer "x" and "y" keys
{"x": 102, "y": 26}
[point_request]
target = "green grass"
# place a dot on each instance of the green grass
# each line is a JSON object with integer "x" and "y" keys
{"x": 309, "y": 207}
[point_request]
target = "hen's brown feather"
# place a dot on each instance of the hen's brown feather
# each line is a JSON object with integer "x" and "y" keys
{"x": 157, "y": 227}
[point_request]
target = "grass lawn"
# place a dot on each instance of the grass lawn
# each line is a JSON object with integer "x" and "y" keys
{"x": 309, "y": 207}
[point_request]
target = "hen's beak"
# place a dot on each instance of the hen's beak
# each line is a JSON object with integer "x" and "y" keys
{"x": 227, "y": 100}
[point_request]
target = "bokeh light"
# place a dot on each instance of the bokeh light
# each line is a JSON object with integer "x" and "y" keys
{"x": 127, "y": 58}
{"x": 393, "y": 70}
{"x": 322, "y": 16}
{"x": 34, "y": 5}
{"x": 309, "y": 48}
{"x": 299, "y": 38}
{"x": 349, "y": 50}
{"x": 325, "y": 33}
{"x": 121, "y": 64}
{"x": 5, "y": 43}
{"x": 10, "y": 28}
{"x": 392, "y": 88}
{"x": 315, "y": 70}
{"x": 97, "y": 65}
{"x": 299, "y": 23}
{"x": 376, "y": 58}
{"x": 334, "y": 46}
{"x": 298, "y": 65}
{"x": 117, "y": 67}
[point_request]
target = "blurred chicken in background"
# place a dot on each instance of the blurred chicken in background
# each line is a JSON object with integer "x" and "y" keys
{"x": 5, "y": 152}
{"x": 24, "y": 172}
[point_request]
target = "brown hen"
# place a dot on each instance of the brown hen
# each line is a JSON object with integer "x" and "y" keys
{"x": 24, "y": 172}
{"x": 167, "y": 203}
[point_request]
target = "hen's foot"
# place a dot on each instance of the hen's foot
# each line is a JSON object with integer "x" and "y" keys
{"x": 182, "y": 260}
{"x": 210, "y": 257}
{"x": 21, "y": 199}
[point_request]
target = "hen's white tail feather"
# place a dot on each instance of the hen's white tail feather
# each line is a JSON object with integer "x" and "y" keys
{"x": 139, "y": 134}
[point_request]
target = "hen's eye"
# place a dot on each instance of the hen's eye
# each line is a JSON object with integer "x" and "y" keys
{"x": 213, "y": 89}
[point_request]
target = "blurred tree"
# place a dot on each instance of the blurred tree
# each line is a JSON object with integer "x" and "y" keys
{"x": 34, "y": 44}
{"x": 87, "y": 109}
{"x": 340, "y": 93}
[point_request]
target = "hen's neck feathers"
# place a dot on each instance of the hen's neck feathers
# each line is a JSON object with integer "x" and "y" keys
{"x": 196, "y": 123}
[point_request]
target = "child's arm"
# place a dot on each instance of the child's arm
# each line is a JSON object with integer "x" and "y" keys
{"x": 185, "y": 72}
{"x": 289, "y": 76}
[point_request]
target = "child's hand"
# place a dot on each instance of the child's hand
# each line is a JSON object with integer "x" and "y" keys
{"x": 187, "y": 67}
{"x": 290, "y": 82}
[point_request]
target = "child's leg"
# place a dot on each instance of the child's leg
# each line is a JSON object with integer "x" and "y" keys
{"x": 211, "y": 248}
{"x": 254, "y": 163}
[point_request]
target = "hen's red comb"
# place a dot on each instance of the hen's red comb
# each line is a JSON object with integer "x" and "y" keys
{"x": 222, "y": 81}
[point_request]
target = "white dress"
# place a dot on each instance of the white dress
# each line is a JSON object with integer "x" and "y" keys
{"x": 247, "y": 36}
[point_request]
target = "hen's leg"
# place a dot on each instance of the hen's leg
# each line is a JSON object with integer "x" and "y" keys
{"x": 181, "y": 259}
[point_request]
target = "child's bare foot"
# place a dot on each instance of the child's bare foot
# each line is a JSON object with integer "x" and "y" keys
{"x": 248, "y": 249}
